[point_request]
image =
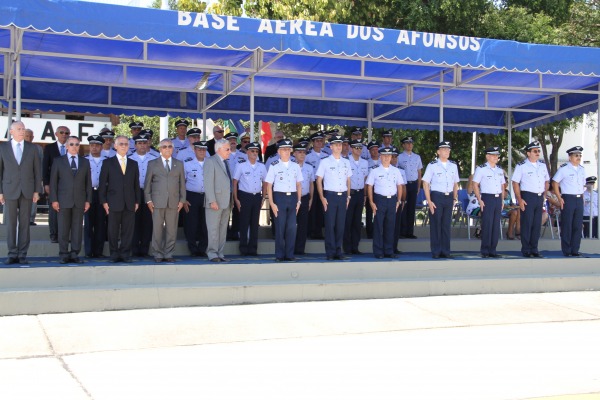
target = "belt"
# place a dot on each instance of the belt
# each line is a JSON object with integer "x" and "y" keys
{"x": 285, "y": 193}
{"x": 573, "y": 195}
{"x": 492, "y": 194}
{"x": 537, "y": 194}
{"x": 356, "y": 190}
{"x": 387, "y": 197}
{"x": 444, "y": 193}
{"x": 192, "y": 191}
{"x": 412, "y": 181}
{"x": 95, "y": 188}
{"x": 337, "y": 193}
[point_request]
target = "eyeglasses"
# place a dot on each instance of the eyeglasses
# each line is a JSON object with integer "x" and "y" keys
{"x": 536, "y": 151}
{"x": 122, "y": 144}
{"x": 167, "y": 146}
{"x": 74, "y": 144}
{"x": 63, "y": 132}
{"x": 576, "y": 155}
{"x": 219, "y": 131}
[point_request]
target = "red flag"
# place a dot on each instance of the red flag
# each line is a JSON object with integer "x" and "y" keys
{"x": 265, "y": 135}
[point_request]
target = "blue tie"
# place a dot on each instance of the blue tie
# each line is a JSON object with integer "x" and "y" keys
{"x": 73, "y": 165}
{"x": 62, "y": 150}
{"x": 19, "y": 153}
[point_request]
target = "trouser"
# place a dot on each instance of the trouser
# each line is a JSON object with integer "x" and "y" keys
{"x": 142, "y": 234}
{"x": 353, "y": 222}
{"x": 17, "y": 211}
{"x": 52, "y": 221}
{"x": 234, "y": 228}
{"x": 164, "y": 231}
{"x": 408, "y": 212}
{"x": 490, "y": 223}
{"x": 70, "y": 222}
{"x": 316, "y": 216}
{"x": 369, "y": 222}
{"x": 384, "y": 224}
{"x": 302, "y": 225}
{"x": 120, "y": 224}
{"x": 439, "y": 223}
{"x": 194, "y": 226}
{"x": 249, "y": 214}
{"x": 285, "y": 229}
{"x": 586, "y": 227}
{"x": 94, "y": 232}
{"x": 216, "y": 225}
{"x": 531, "y": 222}
{"x": 335, "y": 216}
{"x": 571, "y": 224}
{"x": 397, "y": 227}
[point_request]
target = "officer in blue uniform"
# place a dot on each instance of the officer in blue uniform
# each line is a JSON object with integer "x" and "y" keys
{"x": 248, "y": 197}
{"x": 398, "y": 222}
{"x": 384, "y": 185}
{"x": 530, "y": 181}
{"x": 142, "y": 233}
{"x": 489, "y": 184}
{"x": 94, "y": 232}
{"x": 194, "y": 226}
{"x": 135, "y": 128}
{"x": 590, "y": 200}
{"x": 440, "y": 184}
{"x": 187, "y": 152}
{"x": 360, "y": 170}
{"x": 314, "y": 157}
{"x": 108, "y": 148}
{"x": 308, "y": 178}
{"x": 357, "y": 134}
{"x": 333, "y": 186}
{"x": 570, "y": 177}
{"x": 413, "y": 166}
{"x": 284, "y": 189}
{"x": 373, "y": 161}
{"x": 180, "y": 141}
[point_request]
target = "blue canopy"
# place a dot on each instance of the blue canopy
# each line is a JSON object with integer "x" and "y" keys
{"x": 95, "y": 58}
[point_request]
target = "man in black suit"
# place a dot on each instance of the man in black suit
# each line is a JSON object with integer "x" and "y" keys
{"x": 271, "y": 149}
{"x": 119, "y": 194}
{"x": 51, "y": 151}
{"x": 70, "y": 196}
{"x": 20, "y": 180}
{"x": 217, "y": 135}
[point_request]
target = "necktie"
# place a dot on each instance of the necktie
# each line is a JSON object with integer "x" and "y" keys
{"x": 229, "y": 175}
{"x": 167, "y": 166}
{"x": 73, "y": 165}
{"x": 62, "y": 150}
{"x": 122, "y": 164}
{"x": 19, "y": 153}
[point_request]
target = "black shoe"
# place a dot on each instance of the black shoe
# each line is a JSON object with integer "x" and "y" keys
{"x": 159, "y": 260}
{"x": 243, "y": 253}
{"x": 253, "y": 254}
{"x": 32, "y": 224}
{"x": 291, "y": 259}
{"x": 299, "y": 253}
{"x": 537, "y": 255}
{"x": 485, "y": 255}
{"x": 411, "y": 237}
{"x": 201, "y": 254}
{"x": 76, "y": 260}
{"x": 391, "y": 256}
{"x": 397, "y": 251}
{"x": 169, "y": 260}
{"x": 577, "y": 255}
{"x": 435, "y": 257}
{"x": 225, "y": 259}
{"x": 357, "y": 252}
{"x": 63, "y": 260}
{"x": 127, "y": 260}
{"x": 11, "y": 260}
{"x": 527, "y": 255}
{"x": 402, "y": 237}
{"x": 379, "y": 257}
{"x": 449, "y": 256}
{"x": 53, "y": 239}
{"x": 23, "y": 260}
{"x": 495, "y": 255}
{"x": 280, "y": 259}
{"x": 330, "y": 258}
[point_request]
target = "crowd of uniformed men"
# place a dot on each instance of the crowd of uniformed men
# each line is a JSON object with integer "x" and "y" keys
{"x": 316, "y": 188}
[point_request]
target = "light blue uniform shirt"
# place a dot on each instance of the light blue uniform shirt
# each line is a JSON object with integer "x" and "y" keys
{"x": 411, "y": 163}
{"x": 308, "y": 175}
{"x": 315, "y": 158}
{"x": 570, "y": 178}
{"x": 385, "y": 181}
{"x": 360, "y": 170}
{"x": 95, "y": 168}
{"x": 531, "y": 177}
{"x": 284, "y": 178}
{"x": 335, "y": 173}
{"x": 194, "y": 175}
{"x": 490, "y": 179}
{"x": 250, "y": 177}
{"x": 440, "y": 178}
{"x": 142, "y": 165}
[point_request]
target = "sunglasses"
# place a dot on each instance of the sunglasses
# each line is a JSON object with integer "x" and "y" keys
{"x": 167, "y": 146}
{"x": 536, "y": 151}
{"x": 63, "y": 132}
{"x": 219, "y": 131}
{"x": 122, "y": 144}
{"x": 576, "y": 155}
{"x": 74, "y": 144}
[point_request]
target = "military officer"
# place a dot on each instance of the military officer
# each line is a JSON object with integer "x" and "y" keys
{"x": 353, "y": 224}
{"x": 316, "y": 211}
{"x": 489, "y": 184}
{"x": 570, "y": 177}
{"x": 412, "y": 165}
{"x": 440, "y": 184}
{"x": 248, "y": 197}
{"x": 188, "y": 152}
{"x": 326, "y": 139}
{"x": 530, "y": 181}
{"x": 142, "y": 233}
{"x": 108, "y": 148}
{"x": 308, "y": 175}
{"x": 233, "y": 230}
{"x": 135, "y": 127}
{"x": 333, "y": 186}
{"x": 398, "y": 221}
{"x": 181, "y": 140}
{"x": 590, "y": 199}
{"x": 357, "y": 134}
{"x": 284, "y": 190}
{"x": 94, "y": 231}
{"x": 386, "y": 139}
{"x": 384, "y": 185}
{"x": 373, "y": 161}
{"x": 194, "y": 226}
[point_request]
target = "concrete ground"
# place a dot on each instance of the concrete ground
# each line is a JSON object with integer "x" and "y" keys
{"x": 456, "y": 347}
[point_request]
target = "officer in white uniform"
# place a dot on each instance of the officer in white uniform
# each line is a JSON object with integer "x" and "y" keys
{"x": 412, "y": 165}
{"x": 440, "y": 184}
{"x": 233, "y": 230}
{"x": 194, "y": 225}
{"x": 284, "y": 189}
{"x": 570, "y": 177}
{"x": 333, "y": 186}
{"x": 489, "y": 184}
{"x": 188, "y": 152}
{"x": 398, "y": 221}
{"x": 308, "y": 178}
{"x": 384, "y": 185}
{"x": 94, "y": 230}
{"x": 360, "y": 170}
{"x": 590, "y": 198}
{"x": 530, "y": 181}
{"x": 142, "y": 233}
{"x": 248, "y": 197}
{"x": 181, "y": 141}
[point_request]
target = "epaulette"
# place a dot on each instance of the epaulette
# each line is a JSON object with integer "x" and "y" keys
{"x": 182, "y": 148}
{"x": 433, "y": 162}
{"x": 188, "y": 159}
{"x": 309, "y": 164}
{"x": 562, "y": 165}
{"x": 522, "y": 162}
{"x": 241, "y": 160}
{"x": 294, "y": 160}
{"x": 400, "y": 167}
{"x": 373, "y": 166}
{"x": 452, "y": 161}
{"x": 542, "y": 161}
{"x": 365, "y": 158}
{"x": 275, "y": 162}
{"x": 346, "y": 157}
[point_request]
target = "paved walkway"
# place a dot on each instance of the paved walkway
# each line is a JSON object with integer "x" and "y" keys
{"x": 456, "y": 347}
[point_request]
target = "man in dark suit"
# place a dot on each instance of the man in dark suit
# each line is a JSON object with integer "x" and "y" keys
{"x": 70, "y": 197}
{"x": 164, "y": 191}
{"x": 119, "y": 194}
{"x": 51, "y": 151}
{"x": 20, "y": 178}
{"x": 271, "y": 149}
{"x": 217, "y": 135}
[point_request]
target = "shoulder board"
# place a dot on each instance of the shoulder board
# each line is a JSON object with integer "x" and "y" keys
{"x": 452, "y": 161}
{"x": 188, "y": 159}
{"x": 182, "y": 148}
{"x": 241, "y": 160}
{"x": 400, "y": 167}
{"x": 275, "y": 162}
{"x": 522, "y": 162}
{"x": 433, "y": 162}
{"x": 294, "y": 161}
{"x": 481, "y": 166}
{"x": 309, "y": 164}
{"x": 346, "y": 157}
{"x": 373, "y": 166}
{"x": 365, "y": 158}
{"x": 562, "y": 165}
{"x": 542, "y": 161}
{"x": 325, "y": 156}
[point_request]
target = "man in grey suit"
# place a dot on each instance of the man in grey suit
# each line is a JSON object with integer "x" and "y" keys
{"x": 218, "y": 199}
{"x": 164, "y": 192}
{"x": 70, "y": 196}
{"x": 20, "y": 180}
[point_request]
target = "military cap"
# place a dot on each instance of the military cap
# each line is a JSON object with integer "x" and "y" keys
{"x": 316, "y": 135}
{"x": 331, "y": 132}
{"x": 357, "y": 131}
{"x": 142, "y": 137}
{"x": 386, "y": 151}
{"x": 107, "y": 134}
{"x": 182, "y": 122}
{"x": 387, "y": 133}
{"x": 408, "y": 139}
{"x": 575, "y": 150}
{"x": 444, "y": 145}
{"x": 284, "y": 144}
{"x": 301, "y": 147}
{"x": 252, "y": 146}
{"x": 147, "y": 132}
{"x": 231, "y": 135}
{"x": 201, "y": 145}
{"x": 194, "y": 131}
{"x": 372, "y": 143}
{"x": 136, "y": 125}
{"x": 97, "y": 139}
{"x": 494, "y": 150}
{"x": 533, "y": 145}
{"x": 336, "y": 139}
{"x": 304, "y": 140}
{"x": 356, "y": 143}
{"x": 591, "y": 179}
{"x": 345, "y": 139}
{"x": 395, "y": 150}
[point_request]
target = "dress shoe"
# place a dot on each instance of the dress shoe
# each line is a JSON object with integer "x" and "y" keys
{"x": 127, "y": 260}
{"x": 23, "y": 260}
{"x": 76, "y": 260}
{"x": 200, "y": 254}
{"x": 11, "y": 260}
{"x": 495, "y": 255}
{"x": 411, "y": 237}
{"x": 357, "y": 252}
{"x": 379, "y": 257}
{"x": 527, "y": 255}
{"x": 159, "y": 260}
{"x": 224, "y": 259}
{"x": 397, "y": 251}
{"x": 215, "y": 260}
{"x": 577, "y": 254}
{"x": 53, "y": 239}
{"x": 341, "y": 257}
{"x": 391, "y": 256}
{"x": 170, "y": 259}
{"x": 32, "y": 224}
{"x": 330, "y": 258}
{"x": 63, "y": 260}
{"x": 449, "y": 256}
{"x": 291, "y": 259}
{"x": 485, "y": 255}
{"x": 537, "y": 255}
{"x": 435, "y": 257}
{"x": 254, "y": 254}
{"x": 299, "y": 253}
{"x": 280, "y": 259}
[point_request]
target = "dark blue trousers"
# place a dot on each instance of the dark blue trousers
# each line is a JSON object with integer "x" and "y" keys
{"x": 285, "y": 224}
{"x": 302, "y": 226}
{"x": 142, "y": 234}
{"x": 490, "y": 223}
{"x": 315, "y": 226}
{"x": 440, "y": 222}
{"x": 194, "y": 226}
{"x": 407, "y": 226}
{"x": 571, "y": 224}
{"x": 94, "y": 230}
{"x": 397, "y": 227}
{"x": 531, "y": 222}
{"x": 384, "y": 223}
{"x": 335, "y": 217}
{"x": 353, "y": 222}
{"x": 249, "y": 214}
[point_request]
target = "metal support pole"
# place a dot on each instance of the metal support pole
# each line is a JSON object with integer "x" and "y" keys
{"x": 510, "y": 162}
{"x": 473, "y": 152}
{"x": 442, "y": 109}
{"x": 597, "y": 161}
{"x": 164, "y": 127}
{"x": 370, "y": 121}
{"x": 251, "y": 109}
